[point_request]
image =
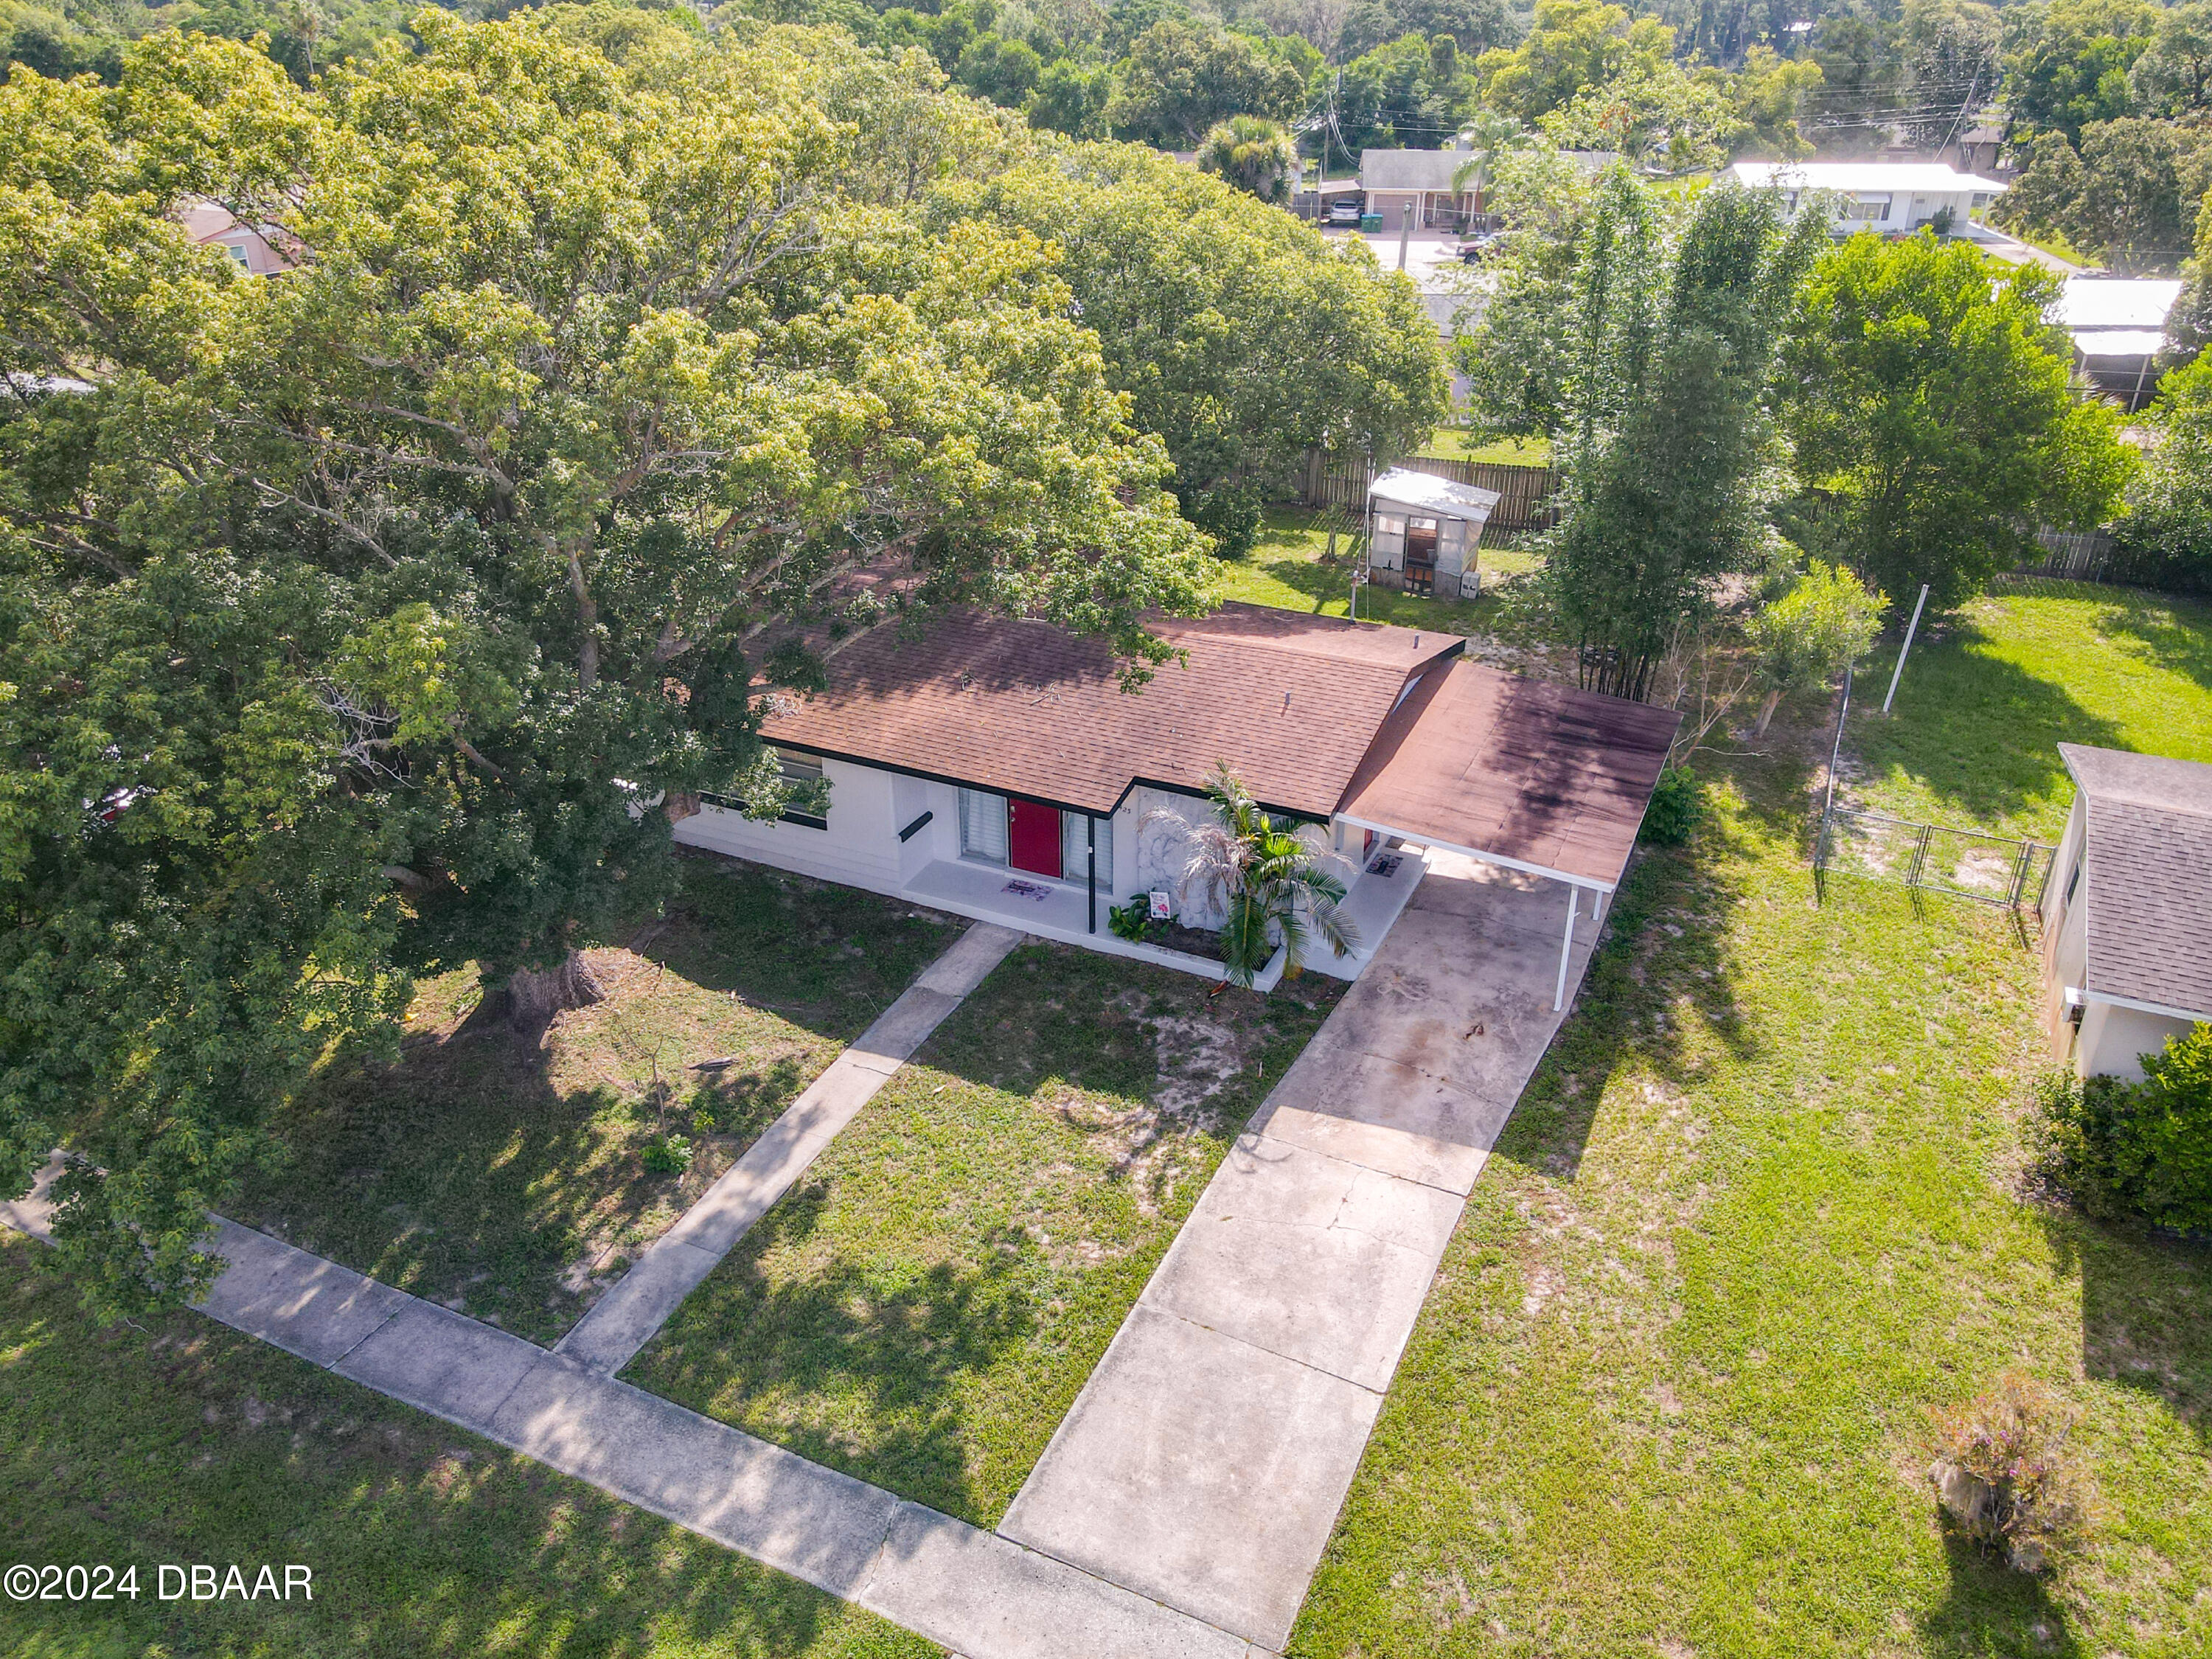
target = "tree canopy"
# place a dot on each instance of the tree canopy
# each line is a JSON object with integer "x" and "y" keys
{"x": 356, "y": 618}
{"x": 1934, "y": 424}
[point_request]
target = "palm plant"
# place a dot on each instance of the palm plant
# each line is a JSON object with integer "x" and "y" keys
{"x": 1254, "y": 154}
{"x": 1488, "y": 137}
{"x": 1270, "y": 885}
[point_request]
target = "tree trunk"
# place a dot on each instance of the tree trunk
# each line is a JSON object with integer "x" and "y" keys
{"x": 1767, "y": 712}
{"x": 532, "y": 996}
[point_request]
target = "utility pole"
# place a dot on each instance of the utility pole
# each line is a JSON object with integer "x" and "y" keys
{"x": 1910, "y": 629}
{"x": 1404, "y": 233}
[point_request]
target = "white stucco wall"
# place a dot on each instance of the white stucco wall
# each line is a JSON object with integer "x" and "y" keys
{"x": 2114, "y": 1039}
{"x": 860, "y": 847}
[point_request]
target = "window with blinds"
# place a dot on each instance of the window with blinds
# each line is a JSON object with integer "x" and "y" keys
{"x": 983, "y": 826}
{"x": 1075, "y": 850}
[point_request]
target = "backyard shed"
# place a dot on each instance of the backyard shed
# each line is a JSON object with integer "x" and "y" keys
{"x": 2127, "y": 921}
{"x": 1423, "y": 533}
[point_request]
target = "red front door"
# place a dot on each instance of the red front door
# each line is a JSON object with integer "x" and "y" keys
{"x": 1033, "y": 837}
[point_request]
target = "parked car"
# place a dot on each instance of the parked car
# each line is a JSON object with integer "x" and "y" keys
{"x": 1345, "y": 210}
{"x": 1480, "y": 245}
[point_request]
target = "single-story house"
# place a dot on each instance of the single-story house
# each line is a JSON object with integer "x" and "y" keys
{"x": 2127, "y": 918}
{"x": 1423, "y": 532}
{"x": 2118, "y": 325}
{"x": 994, "y": 767}
{"x": 1393, "y": 180}
{"x": 1877, "y": 196}
{"x": 256, "y": 252}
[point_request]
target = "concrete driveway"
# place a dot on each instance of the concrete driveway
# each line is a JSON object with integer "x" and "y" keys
{"x": 1206, "y": 1460}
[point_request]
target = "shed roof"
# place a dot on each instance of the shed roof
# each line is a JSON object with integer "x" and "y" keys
{"x": 2119, "y": 342}
{"x": 2147, "y": 876}
{"x": 1518, "y": 771}
{"x": 1291, "y": 701}
{"x": 2116, "y": 301}
{"x": 1928, "y": 178}
{"x": 1410, "y": 488}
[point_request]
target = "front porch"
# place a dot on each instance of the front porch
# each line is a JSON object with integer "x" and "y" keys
{"x": 1061, "y": 911}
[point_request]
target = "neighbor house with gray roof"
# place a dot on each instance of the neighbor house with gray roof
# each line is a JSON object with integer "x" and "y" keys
{"x": 2127, "y": 919}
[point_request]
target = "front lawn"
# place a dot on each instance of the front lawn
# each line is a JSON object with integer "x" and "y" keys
{"x": 502, "y": 1174}
{"x": 922, "y": 1309}
{"x": 1762, "y": 1210}
{"x": 187, "y": 1443}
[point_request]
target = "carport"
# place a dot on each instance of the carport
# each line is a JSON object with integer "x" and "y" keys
{"x": 1531, "y": 776}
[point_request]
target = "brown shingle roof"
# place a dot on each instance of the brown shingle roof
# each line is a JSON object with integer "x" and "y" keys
{"x": 2147, "y": 876}
{"x": 1291, "y": 701}
{"x": 1541, "y": 774}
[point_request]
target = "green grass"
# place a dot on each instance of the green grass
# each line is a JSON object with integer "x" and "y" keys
{"x": 924, "y": 1307}
{"x": 1758, "y": 1213}
{"x": 1990, "y": 693}
{"x": 1286, "y": 569}
{"x": 501, "y": 1172}
{"x": 187, "y": 1443}
{"x": 1452, "y": 443}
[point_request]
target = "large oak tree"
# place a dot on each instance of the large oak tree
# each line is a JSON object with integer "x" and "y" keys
{"x": 356, "y": 617}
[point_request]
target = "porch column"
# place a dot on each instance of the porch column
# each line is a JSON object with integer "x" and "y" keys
{"x": 1090, "y": 864}
{"x": 1566, "y": 948}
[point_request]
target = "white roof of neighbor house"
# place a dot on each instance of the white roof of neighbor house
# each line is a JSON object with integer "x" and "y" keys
{"x": 2116, "y": 302}
{"x": 2120, "y": 342}
{"x": 1928, "y": 178}
{"x": 1409, "y": 489}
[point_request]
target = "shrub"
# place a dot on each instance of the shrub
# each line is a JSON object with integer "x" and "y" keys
{"x": 1675, "y": 808}
{"x": 667, "y": 1155}
{"x": 2141, "y": 1149}
{"x": 1133, "y": 921}
{"x": 2005, "y": 1476}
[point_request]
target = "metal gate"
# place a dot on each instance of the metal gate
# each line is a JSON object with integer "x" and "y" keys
{"x": 2006, "y": 870}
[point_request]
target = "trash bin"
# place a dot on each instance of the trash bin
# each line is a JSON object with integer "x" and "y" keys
{"x": 1371, "y": 222}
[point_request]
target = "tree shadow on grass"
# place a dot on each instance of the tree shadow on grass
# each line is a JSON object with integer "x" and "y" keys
{"x": 1977, "y": 733}
{"x": 1661, "y": 972}
{"x": 188, "y": 1442}
{"x": 1990, "y": 1608}
{"x": 2175, "y": 632}
{"x": 870, "y": 1356}
{"x": 2143, "y": 1297}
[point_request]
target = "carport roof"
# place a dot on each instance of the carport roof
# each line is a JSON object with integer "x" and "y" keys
{"x": 1518, "y": 772}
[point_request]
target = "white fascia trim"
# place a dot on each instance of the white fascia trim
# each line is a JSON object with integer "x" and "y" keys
{"x": 2083, "y": 994}
{"x": 1549, "y": 874}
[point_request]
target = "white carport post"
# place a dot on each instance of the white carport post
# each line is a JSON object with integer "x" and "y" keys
{"x": 1566, "y": 948}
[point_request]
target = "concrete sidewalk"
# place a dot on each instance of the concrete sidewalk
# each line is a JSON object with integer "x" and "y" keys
{"x": 1206, "y": 1460}
{"x": 623, "y": 1320}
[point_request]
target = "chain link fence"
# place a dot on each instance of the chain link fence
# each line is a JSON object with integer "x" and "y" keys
{"x": 2005, "y": 871}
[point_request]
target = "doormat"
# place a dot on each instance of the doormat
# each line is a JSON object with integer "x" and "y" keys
{"x": 1385, "y": 864}
{"x": 1028, "y": 890}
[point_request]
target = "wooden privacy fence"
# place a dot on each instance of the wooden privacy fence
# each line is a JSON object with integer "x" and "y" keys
{"x": 1524, "y": 492}
{"x": 2074, "y": 556}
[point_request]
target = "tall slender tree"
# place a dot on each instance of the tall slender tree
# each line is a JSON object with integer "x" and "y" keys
{"x": 1672, "y": 460}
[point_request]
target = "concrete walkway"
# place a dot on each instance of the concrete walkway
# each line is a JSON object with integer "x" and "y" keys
{"x": 1206, "y": 1460}
{"x": 623, "y": 1320}
{"x": 1182, "y": 1506}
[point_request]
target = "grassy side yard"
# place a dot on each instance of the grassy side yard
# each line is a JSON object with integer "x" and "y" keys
{"x": 502, "y": 1174}
{"x": 1760, "y": 1212}
{"x": 187, "y": 1443}
{"x": 1989, "y": 694}
{"x": 1287, "y": 569}
{"x": 1452, "y": 443}
{"x": 924, "y": 1307}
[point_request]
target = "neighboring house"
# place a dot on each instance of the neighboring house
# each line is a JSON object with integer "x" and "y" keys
{"x": 995, "y": 768}
{"x": 2127, "y": 921}
{"x": 1883, "y": 196}
{"x": 257, "y": 253}
{"x": 1395, "y": 179}
{"x": 2118, "y": 325}
{"x": 1423, "y": 532}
